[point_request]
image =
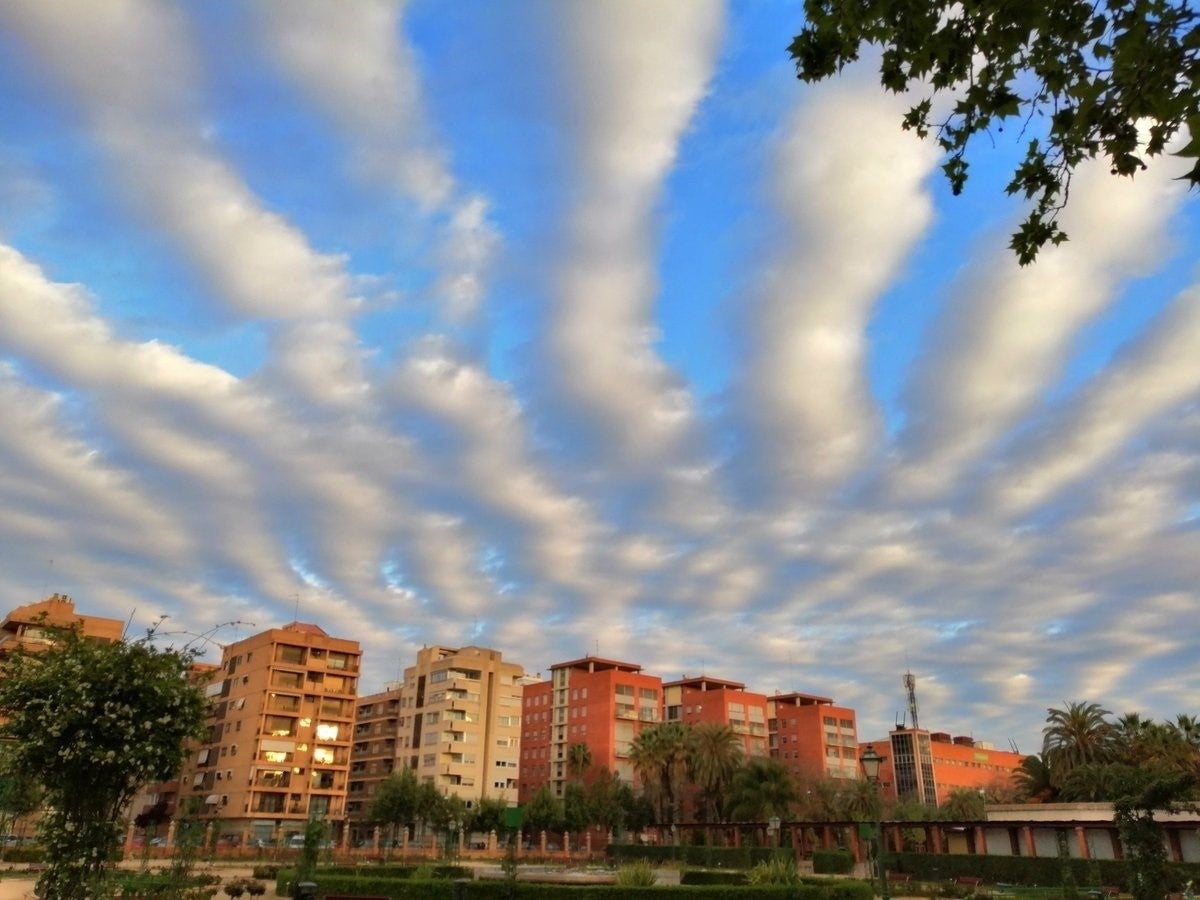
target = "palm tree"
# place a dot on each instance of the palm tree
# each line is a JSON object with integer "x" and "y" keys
{"x": 963, "y": 805}
{"x": 579, "y": 760}
{"x": 714, "y": 755}
{"x": 1033, "y": 780}
{"x": 1079, "y": 734}
{"x": 659, "y": 756}
{"x": 762, "y": 788}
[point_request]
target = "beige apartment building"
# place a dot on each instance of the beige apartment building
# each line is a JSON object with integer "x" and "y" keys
{"x": 455, "y": 720}
{"x": 280, "y": 726}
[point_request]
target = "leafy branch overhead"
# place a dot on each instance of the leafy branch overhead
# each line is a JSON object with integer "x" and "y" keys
{"x": 1080, "y": 79}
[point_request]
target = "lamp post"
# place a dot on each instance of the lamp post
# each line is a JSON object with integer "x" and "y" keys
{"x": 871, "y": 763}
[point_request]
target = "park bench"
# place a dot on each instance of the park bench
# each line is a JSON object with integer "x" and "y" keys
{"x": 899, "y": 877}
{"x": 1104, "y": 892}
{"x": 972, "y": 881}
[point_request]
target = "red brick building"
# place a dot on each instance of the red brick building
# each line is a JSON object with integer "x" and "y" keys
{"x": 601, "y": 703}
{"x": 706, "y": 699}
{"x": 812, "y": 737}
{"x": 929, "y": 766}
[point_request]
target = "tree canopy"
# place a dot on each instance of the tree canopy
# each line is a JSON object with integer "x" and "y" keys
{"x": 1118, "y": 80}
{"x": 92, "y": 722}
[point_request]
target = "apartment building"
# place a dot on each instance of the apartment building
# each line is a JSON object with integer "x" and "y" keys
{"x": 373, "y": 753}
{"x": 460, "y": 722}
{"x": 601, "y": 703}
{"x": 812, "y": 736}
{"x": 280, "y": 726}
{"x": 32, "y": 626}
{"x": 928, "y": 766}
{"x": 706, "y": 699}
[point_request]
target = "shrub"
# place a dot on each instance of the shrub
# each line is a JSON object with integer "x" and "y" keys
{"x": 774, "y": 871}
{"x": 832, "y": 862}
{"x": 636, "y": 874}
{"x": 712, "y": 876}
{"x": 267, "y": 873}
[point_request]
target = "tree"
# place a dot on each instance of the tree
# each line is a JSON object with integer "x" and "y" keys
{"x": 714, "y": 755}
{"x": 1078, "y": 734}
{"x": 92, "y": 722}
{"x": 544, "y": 812}
{"x": 762, "y": 788}
{"x": 963, "y": 805}
{"x": 1116, "y": 80}
{"x": 489, "y": 815}
{"x": 604, "y": 799}
{"x": 395, "y": 801}
{"x": 577, "y": 815}
{"x": 579, "y": 760}
{"x": 1034, "y": 784}
{"x": 660, "y": 758}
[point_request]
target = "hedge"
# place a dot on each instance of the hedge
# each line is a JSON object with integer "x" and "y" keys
{"x": 712, "y": 876}
{"x": 832, "y": 862}
{"x": 1030, "y": 870}
{"x": 408, "y": 889}
{"x": 700, "y": 855}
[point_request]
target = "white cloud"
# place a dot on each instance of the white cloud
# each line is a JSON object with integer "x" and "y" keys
{"x": 850, "y": 192}
{"x": 1008, "y": 329}
{"x": 635, "y": 75}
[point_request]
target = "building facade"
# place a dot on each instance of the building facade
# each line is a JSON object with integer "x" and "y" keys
{"x": 32, "y": 626}
{"x": 813, "y": 737}
{"x": 692, "y": 701}
{"x": 460, "y": 722}
{"x": 928, "y": 766}
{"x": 280, "y": 727}
{"x": 373, "y": 754}
{"x": 601, "y": 703}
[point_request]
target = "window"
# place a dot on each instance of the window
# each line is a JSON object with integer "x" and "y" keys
{"x": 624, "y": 690}
{"x": 648, "y": 693}
{"x": 287, "y": 653}
{"x": 508, "y": 721}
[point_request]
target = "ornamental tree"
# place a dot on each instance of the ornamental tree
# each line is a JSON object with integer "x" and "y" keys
{"x": 1118, "y": 80}
{"x": 93, "y": 722}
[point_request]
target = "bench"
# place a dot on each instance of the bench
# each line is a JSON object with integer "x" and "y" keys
{"x": 899, "y": 877}
{"x": 1101, "y": 893}
{"x": 972, "y": 881}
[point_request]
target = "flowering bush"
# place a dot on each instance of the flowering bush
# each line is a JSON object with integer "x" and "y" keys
{"x": 93, "y": 722}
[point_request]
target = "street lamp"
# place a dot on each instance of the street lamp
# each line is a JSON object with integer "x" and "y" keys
{"x": 871, "y": 763}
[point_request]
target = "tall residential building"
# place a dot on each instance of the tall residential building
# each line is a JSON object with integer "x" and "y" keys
{"x": 706, "y": 699}
{"x": 32, "y": 626}
{"x": 460, "y": 722}
{"x": 812, "y": 737}
{"x": 373, "y": 754}
{"x": 280, "y": 722}
{"x": 928, "y": 766}
{"x": 601, "y": 703}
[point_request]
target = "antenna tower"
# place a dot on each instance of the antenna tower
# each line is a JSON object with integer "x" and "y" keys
{"x": 910, "y": 688}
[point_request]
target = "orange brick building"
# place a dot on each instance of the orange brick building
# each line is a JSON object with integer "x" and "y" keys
{"x": 601, "y": 703}
{"x": 32, "y": 626}
{"x": 281, "y": 721}
{"x": 812, "y": 737}
{"x": 928, "y": 766}
{"x": 705, "y": 699}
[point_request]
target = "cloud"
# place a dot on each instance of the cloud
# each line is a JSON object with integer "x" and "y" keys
{"x": 1008, "y": 330}
{"x": 1159, "y": 372}
{"x": 634, "y": 78}
{"x": 849, "y": 189}
{"x": 355, "y": 65}
{"x": 132, "y": 66}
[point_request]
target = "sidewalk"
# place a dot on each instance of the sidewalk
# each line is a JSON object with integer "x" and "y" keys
{"x": 18, "y": 886}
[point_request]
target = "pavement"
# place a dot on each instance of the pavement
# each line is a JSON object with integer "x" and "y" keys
{"x": 19, "y": 886}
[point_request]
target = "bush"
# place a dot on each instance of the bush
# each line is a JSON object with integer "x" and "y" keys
{"x": 1028, "y": 870}
{"x": 832, "y": 862}
{"x": 267, "y": 873}
{"x": 705, "y": 857}
{"x": 636, "y": 874}
{"x": 774, "y": 871}
{"x": 712, "y": 876}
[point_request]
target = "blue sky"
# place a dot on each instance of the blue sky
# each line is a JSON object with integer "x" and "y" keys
{"x": 578, "y": 327}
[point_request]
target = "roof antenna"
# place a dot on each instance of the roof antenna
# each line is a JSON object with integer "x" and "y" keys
{"x": 296, "y": 608}
{"x": 910, "y": 687}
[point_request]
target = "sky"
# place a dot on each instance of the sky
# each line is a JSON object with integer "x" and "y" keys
{"x": 585, "y": 328}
